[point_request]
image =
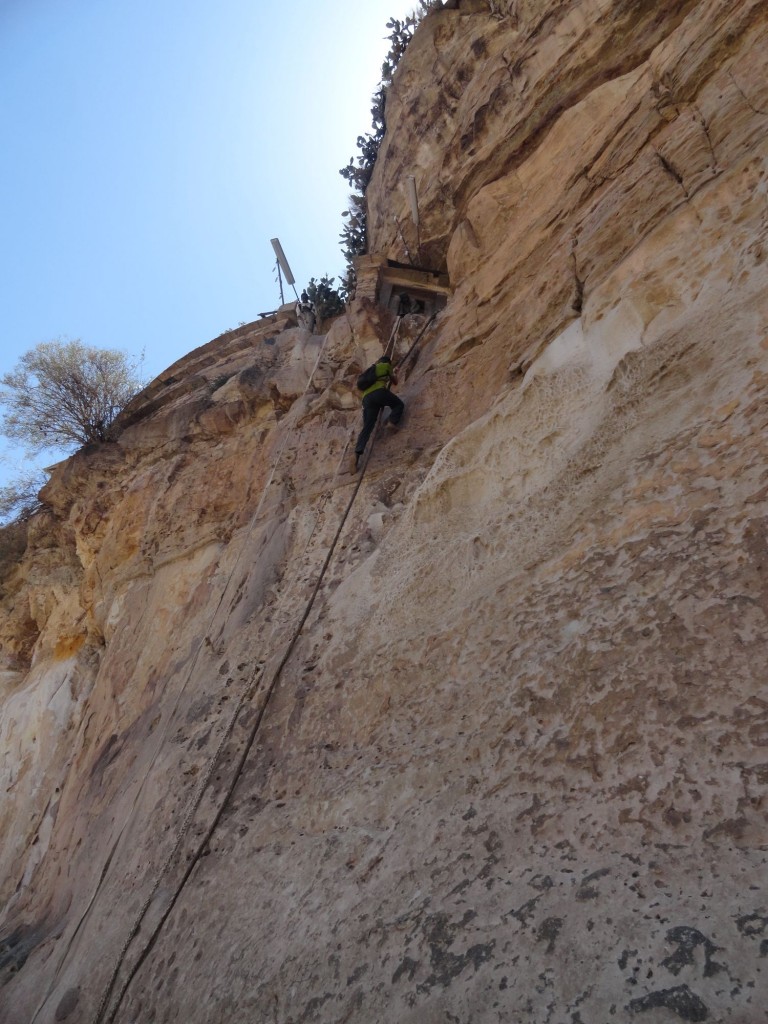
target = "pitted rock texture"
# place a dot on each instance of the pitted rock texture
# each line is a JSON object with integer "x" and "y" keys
{"x": 514, "y": 766}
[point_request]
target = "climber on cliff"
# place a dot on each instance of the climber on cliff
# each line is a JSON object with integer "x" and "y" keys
{"x": 377, "y": 396}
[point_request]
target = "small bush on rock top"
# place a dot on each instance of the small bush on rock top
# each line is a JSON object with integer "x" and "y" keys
{"x": 327, "y": 300}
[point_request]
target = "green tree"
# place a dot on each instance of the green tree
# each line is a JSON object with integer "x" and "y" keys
{"x": 66, "y": 394}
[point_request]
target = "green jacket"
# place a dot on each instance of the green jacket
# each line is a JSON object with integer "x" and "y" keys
{"x": 383, "y": 375}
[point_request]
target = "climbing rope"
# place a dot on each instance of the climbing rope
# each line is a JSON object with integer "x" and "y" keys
{"x": 201, "y": 846}
{"x": 245, "y": 696}
{"x": 389, "y": 349}
{"x": 419, "y": 336}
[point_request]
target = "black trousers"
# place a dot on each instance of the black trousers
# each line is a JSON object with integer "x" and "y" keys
{"x": 373, "y": 403}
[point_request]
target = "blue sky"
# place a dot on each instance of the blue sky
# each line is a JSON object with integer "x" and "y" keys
{"x": 152, "y": 148}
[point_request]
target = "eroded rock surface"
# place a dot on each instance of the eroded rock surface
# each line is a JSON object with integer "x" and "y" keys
{"x": 514, "y": 766}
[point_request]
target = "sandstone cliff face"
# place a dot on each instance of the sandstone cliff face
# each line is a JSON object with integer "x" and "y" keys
{"x": 514, "y": 765}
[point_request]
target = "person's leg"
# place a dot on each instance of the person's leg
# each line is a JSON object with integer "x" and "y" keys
{"x": 396, "y": 408}
{"x": 371, "y": 409}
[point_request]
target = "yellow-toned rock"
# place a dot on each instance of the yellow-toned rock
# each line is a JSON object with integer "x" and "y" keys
{"x": 488, "y": 742}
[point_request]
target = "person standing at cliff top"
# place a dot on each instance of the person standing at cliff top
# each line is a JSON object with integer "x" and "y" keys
{"x": 376, "y": 397}
{"x": 305, "y": 313}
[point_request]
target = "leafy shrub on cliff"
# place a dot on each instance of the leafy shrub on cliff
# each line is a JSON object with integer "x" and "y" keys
{"x": 18, "y": 503}
{"x": 326, "y": 299}
{"x": 66, "y": 394}
{"x": 354, "y": 235}
{"x": 13, "y": 544}
{"x": 18, "y": 499}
